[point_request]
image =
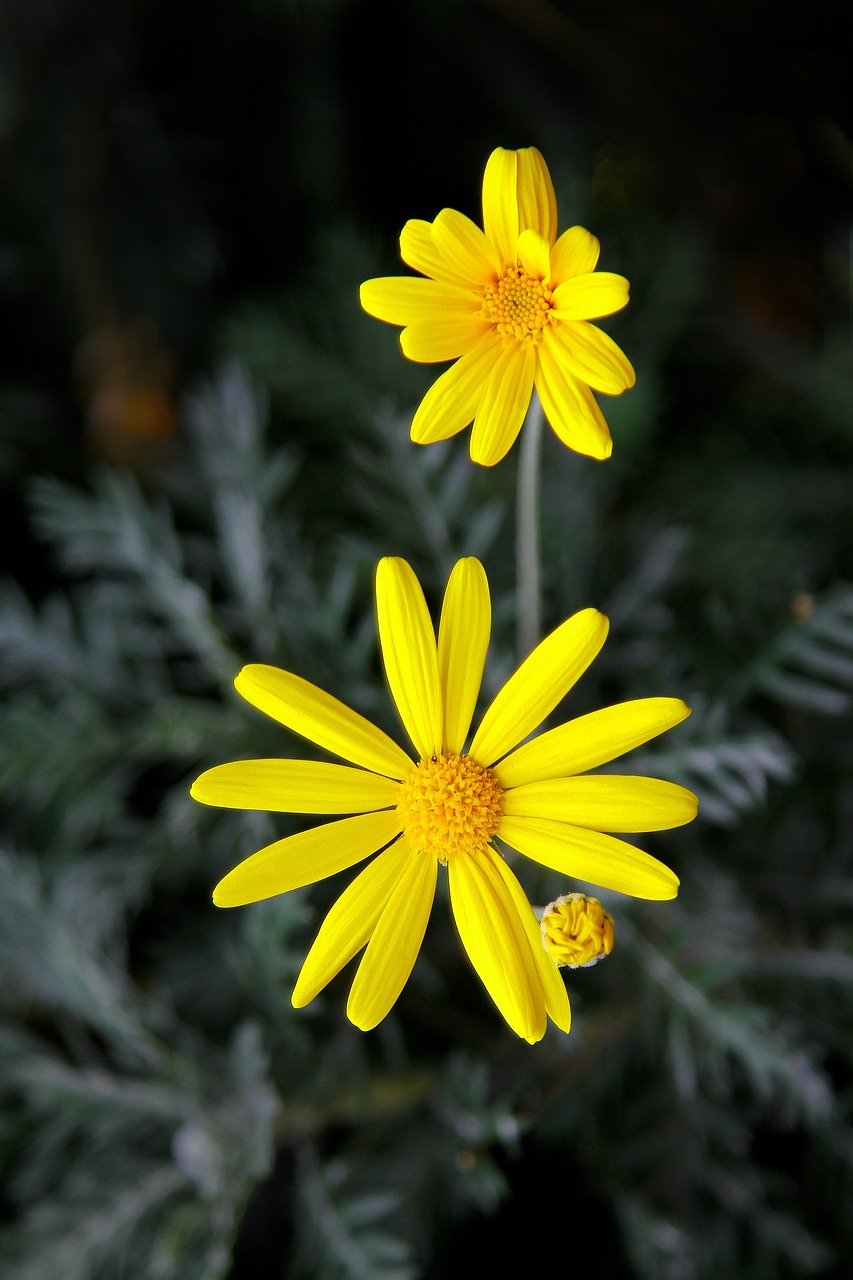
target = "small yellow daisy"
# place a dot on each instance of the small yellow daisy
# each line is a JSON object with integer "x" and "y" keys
{"x": 445, "y": 805}
{"x": 511, "y": 305}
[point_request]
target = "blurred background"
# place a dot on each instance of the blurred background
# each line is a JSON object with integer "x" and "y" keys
{"x": 203, "y": 452}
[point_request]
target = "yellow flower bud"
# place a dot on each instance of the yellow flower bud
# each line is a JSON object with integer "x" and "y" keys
{"x": 577, "y": 931}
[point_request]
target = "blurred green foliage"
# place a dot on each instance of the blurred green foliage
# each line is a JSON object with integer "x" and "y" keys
{"x": 203, "y": 452}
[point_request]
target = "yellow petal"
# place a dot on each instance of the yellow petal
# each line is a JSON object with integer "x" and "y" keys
{"x": 453, "y": 399}
{"x": 505, "y": 401}
{"x": 590, "y": 740}
{"x": 605, "y": 803}
{"x": 542, "y": 680}
{"x": 553, "y": 987}
{"x": 575, "y": 253}
{"x": 294, "y": 786}
{"x": 394, "y": 944}
{"x": 589, "y": 354}
{"x": 496, "y": 943}
{"x": 350, "y": 922}
{"x": 568, "y": 405}
{"x": 407, "y": 638}
{"x": 417, "y": 249}
{"x": 463, "y": 639}
{"x": 410, "y": 300}
{"x": 445, "y": 337}
{"x": 534, "y": 254}
{"x": 537, "y": 204}
{"x": 588, "y": 855}
{"x": 306, "y": 857}
{"x": 316, "y": 715}
{"x": 586, "y": 297}
{"x": 465, "y": 248}
{"x": 500, "y": 202}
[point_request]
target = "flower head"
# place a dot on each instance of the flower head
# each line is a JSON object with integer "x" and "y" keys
{"x": 445, "y": 806}
{"x": 577, "y": 931}
{"x": 511, "y": 305}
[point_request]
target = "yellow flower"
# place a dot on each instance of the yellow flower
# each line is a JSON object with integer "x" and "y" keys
{"x": 511, "y": 306}
{"x": 577, "y": 931}
{"x": 444, "y": 805}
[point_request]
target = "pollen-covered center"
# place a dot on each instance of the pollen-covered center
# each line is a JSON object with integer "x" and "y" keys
{"x": 518, "y": 305}
{"x": 449, "y": 805}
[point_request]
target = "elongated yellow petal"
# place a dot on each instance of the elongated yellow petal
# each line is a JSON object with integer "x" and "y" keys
{"x": 542, "y": 680}
{"x": 394, "y": 945}
{"x": 588, "y": 855}
{"x": 410, "y": 300}
{"x": 607, "y": 802}
{"x": 534, "y": 254}
{"x": 417, "y": 249}
{"x": 505, "y": 401}
{"x": 537, "y": 204}
{"x": 350, "y": 922}
{"x": 453, "y": 399}
{"x": 570, "y": 407}
{"x": 500, "y": 202}
{"x": 445, "y": 337}
{"x": 316, "y": 715}
{"x": 463, "y": 639}
{"x": 497, "y": 946}
{"x": 590, "y": 740}
{"x": 586, "y": 297}
{"x": 465, "y": 248}
{"x": 306, "y": 857}
{"x": 589, "y": 354}
{"x": 407, "y": 638}
{"x": 553, "y": 987}
{"x": 575, "y": 253}
{"x": 294, "y": 786}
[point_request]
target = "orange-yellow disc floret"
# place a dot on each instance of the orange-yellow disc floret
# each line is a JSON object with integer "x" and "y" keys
{"x": 518, "y": 305}
{"x": 449, "y": 805}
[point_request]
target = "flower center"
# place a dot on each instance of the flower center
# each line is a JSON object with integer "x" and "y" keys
{"x": 449, "y": 805}
{"x": 518, "y": 305}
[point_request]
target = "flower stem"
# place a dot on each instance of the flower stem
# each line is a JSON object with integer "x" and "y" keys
{"x": 528, "y": 576}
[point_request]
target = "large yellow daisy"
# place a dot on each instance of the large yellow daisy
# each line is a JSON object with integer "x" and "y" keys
{"x": 511, "y": 305}
{"x": 446, "y": 806}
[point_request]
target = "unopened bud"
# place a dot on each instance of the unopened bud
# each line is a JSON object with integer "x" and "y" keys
{"x": 577, "y": 931}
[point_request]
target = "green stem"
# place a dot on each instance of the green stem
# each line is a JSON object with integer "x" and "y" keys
{"x": 528, "y": 576}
